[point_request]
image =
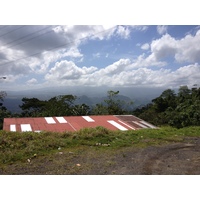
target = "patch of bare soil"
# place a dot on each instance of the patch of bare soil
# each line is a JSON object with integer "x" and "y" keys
{"x": 172, "y": 159}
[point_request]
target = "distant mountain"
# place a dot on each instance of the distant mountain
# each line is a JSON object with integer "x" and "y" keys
{"x": 88, "y": 95}
{"x": 13, "y": 104}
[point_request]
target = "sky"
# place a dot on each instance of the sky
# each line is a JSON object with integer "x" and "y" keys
{"x": 38, "y": 56}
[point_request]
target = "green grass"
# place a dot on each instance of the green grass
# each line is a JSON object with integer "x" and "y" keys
{"x": 18, "y": 147}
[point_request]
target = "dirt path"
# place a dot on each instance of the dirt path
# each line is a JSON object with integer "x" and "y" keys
{"x": 172, "y": 159}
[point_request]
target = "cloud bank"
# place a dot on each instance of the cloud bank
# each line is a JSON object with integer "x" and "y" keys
{"x": 53, "y": 53}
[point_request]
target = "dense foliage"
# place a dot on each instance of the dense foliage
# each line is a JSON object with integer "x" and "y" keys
{"x": 64, "y": 105}
{"x": 3, "y": 110}
{"x": 178, "y": 110}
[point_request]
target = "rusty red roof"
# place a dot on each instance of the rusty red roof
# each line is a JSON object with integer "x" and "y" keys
{"x": 74, "y": 123}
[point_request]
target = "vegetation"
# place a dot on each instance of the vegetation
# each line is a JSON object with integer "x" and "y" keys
{"x": 17, "y": 147}
{"x": 3, "y": 110}
{"x": 178, "y": 110}
{"x": 112, "y": 105}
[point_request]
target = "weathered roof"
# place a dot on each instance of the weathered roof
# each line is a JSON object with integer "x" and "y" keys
{"x": 73, "y": 123}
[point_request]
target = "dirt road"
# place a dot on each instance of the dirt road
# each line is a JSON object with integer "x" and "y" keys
{"x": 173, "y": 159}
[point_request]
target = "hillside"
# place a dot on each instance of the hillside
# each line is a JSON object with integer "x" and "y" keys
{"x": 100, "y": 151}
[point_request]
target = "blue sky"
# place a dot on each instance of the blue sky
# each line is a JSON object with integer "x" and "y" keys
{"x": 99, "y": 55}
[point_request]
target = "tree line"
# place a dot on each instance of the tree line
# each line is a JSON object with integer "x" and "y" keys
{"x": 175, "y": 109}
{"x": 64, "y": 105}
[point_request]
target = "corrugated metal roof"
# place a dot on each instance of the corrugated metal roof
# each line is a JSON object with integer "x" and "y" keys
{"x": 74, "y": 123}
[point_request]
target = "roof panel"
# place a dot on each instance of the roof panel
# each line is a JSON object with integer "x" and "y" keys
{"x": 13, "y": 127}
{"x": 88, "y": 119}
{"x": 120, "y": 127}
{"x": 73, "y": 123}
{"x": 147, "y": 124}
{"x": 50, "y": 120}
{"x": 26, "y": 127}
{"x": 61, "y": 120}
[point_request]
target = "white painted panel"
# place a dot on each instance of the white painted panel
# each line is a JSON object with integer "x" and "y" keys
{"x": 13, "y": 127}
{"x": 120, "y": 127}
{"x": 87, "y": 118}
{"x": 26, "y": 127}
{"x": 126, "y": 124}
{"x": 61, "y": 119}
{"x": 37, "y": 131}
{"x": 140, "y": 124}
{"x": 149, "y": 125}
{"x": 50, "y": 120}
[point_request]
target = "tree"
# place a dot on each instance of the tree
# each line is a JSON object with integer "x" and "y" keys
{"x": 179, "y": 110}
{"x": 81, "y": 110}
{"x": 3, "y": 94}
{"x": 166, "y": 100}
{"x": 32, "y": 107}
{"x": 3, "y": 110}
{"x": 183, "y": 93}
{"x": 99, "y": 109}
{"x": 61, "y": 105}
{"x": 56, "y": 106}
{"x": 112, "y": 105}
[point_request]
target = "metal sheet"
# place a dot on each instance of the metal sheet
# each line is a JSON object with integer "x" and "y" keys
{"x": 149, "y": 125}
{"x": 120, "y": 127}
{"x": 127, "y": 125}
{"x": 73, "y": 123}
{"x": 140, "y": 124}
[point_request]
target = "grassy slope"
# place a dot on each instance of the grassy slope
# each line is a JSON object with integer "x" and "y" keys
{"x": 19, "y": 149}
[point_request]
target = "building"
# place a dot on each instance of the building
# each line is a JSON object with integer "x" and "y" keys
{"x": 74, "y": 123}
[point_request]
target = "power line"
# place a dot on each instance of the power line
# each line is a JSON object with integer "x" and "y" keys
{"x": 12, "y": 31}
{"x": 57, "y": 47}
{"x": 3, "y": 27}
{"x": 26, "y": 37}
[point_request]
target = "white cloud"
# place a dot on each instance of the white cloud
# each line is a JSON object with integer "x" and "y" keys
{"x": 32, "y": 81}
{"x": 96, "y": 55}
{"x": 187, "y": 75}
{"x": 140, "y": 28}
{"x": 39, "y": 46}
{"x": 162, "y": 29}
{"x": 67, "y": 70}
{"x": 189, "y": 48}
{"x": 145, "y": 46}
{"x": 123, "y": 31}
{"x": 186, "y": 49}
{"x": 122, "y": 73}
{"x": 116, "y": 67}
{"x": 146, "y": 61}
{"x": 164, "y": 47}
